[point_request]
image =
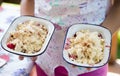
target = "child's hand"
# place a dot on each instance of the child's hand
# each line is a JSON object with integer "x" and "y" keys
{"x": 32, "y": 58}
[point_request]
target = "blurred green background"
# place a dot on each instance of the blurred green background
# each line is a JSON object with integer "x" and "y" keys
{"x": 10, "y": 1}
{"x": 118, "y": 52}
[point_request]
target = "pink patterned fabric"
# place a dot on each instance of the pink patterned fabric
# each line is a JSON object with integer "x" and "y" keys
{"x": 40, "y": 72}
{"x": 64, "y": 13}
{"x": 100, "y": 72}
{"x": 60, "y": 71}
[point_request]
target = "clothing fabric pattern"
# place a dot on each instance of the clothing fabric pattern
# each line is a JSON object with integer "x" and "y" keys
{"x": 64, "y": 13}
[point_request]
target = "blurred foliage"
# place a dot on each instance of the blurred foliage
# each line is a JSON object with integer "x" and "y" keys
{"x": 118, "y": 53}
{"x": 11, "y": 1}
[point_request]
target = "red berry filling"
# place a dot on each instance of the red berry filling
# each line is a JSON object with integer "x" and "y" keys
{"x": 73, "y": 56}
{"x": 11, "y": 46}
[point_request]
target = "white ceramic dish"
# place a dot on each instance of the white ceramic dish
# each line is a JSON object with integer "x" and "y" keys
{"x": 21, "y": 19}
{"x": 106, "y": 35}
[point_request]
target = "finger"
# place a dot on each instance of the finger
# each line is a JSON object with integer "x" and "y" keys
{"x": 34, "y": 58}
{"x": 21, "y": 57}
{"x": 33, "y": 71}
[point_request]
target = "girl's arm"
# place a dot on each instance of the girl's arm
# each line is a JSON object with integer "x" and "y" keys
{"x": 33, "y": 71}
{"x": 112, "y": 22}
{"x": 27, "y": 7}
{"x": 112, "y": 19}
